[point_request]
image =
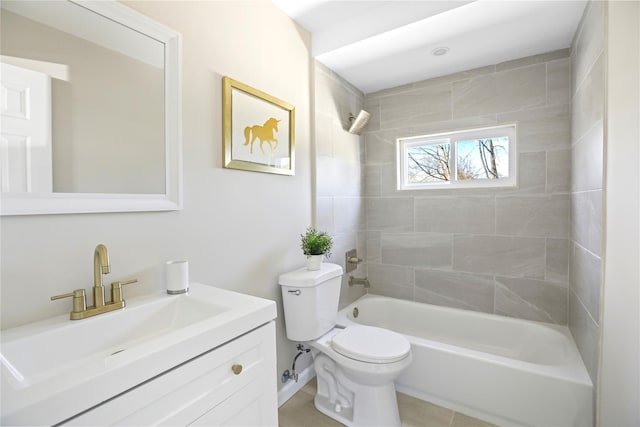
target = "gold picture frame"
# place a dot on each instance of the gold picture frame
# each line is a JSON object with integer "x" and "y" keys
{"x": 258, "y": 130}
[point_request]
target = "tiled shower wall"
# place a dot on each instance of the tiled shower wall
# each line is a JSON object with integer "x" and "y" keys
{"x": 338, "y": 159}
{"x": 502, "y": 251}
{"x": 587, "y": 139}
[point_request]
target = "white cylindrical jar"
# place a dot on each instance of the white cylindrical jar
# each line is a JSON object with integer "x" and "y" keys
{"x": 177, "y": 276}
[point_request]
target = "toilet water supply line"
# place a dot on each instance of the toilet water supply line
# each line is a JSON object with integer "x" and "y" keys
{"x": 301, "y": 350}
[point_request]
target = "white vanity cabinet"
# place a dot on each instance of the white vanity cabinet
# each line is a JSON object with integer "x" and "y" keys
{"x": 231, "y": 385}
{"x": 207, "y": 356}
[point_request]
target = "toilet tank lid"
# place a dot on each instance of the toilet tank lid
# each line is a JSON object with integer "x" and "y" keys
{"x": 304, "y": 278}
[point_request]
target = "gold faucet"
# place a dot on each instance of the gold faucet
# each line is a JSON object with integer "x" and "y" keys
{"x": 100, "y": 266}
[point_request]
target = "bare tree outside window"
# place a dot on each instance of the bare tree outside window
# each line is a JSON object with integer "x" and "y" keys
{"x": 483, "y": 158}
{"x": 429, "y": 163}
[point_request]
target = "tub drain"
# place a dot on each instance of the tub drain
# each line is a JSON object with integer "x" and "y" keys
{"x": 356, "y": 312}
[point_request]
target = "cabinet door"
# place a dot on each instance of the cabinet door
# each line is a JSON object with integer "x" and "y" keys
{"x": 250, "y": 406}
{"x": 188, "y": 393}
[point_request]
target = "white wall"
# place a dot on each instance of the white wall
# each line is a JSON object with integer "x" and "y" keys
{"x": 239, "y": 230}
{"x": 619, "y": 394}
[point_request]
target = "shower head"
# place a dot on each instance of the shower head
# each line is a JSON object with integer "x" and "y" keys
{"x": 358, "y": 122}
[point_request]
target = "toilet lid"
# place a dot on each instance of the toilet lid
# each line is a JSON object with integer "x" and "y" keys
{"x": 371, "y": 344}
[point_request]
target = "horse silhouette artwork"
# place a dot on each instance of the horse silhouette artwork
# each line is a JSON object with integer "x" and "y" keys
{"x": 264, "y": 133}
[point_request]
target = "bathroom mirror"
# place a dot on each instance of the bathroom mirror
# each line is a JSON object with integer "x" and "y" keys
{"x": 90, "y": 106}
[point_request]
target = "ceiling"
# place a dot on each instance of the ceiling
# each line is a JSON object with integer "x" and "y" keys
{"x": 388, "y": 43}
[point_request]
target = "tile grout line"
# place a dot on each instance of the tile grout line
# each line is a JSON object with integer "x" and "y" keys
{"x": 453, "y": 415}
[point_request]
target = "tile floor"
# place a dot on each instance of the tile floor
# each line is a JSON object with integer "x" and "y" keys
{"x": 300, "y": 412}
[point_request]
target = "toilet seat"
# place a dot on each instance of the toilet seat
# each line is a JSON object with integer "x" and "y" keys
{"x": 371, "y": 344}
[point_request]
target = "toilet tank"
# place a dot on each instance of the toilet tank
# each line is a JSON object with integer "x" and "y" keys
{"x": 310, "y": 300}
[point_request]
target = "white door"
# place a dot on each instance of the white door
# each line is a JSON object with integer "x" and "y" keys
{"x": 25, "y": 131}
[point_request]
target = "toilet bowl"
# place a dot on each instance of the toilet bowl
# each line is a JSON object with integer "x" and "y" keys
{"x": 356, "y": 366}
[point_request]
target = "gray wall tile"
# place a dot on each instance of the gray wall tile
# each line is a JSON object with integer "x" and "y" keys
{"x": 452, "y": 214}
{"x": 428, "y": 104}
{"x": 531, "y": 299}
{"x": 586, "y": 219}
{"x": 558, "y": 171}
{"x": 324, "y": 214}
{"x": 545, "y": 128}
{"x": 373, "y": 254}
{"x": 588, "y": 102}
{"x": 348, "y": 294}
{"x": 388, "y": 181}
{"x": 390, "y": 213}
{"x": 455, "y": 289}
{"x": 510, "y": 90}
{"x": 557, "y": 260}
{"x": 348, "y": 214}
{"x": 460, "y": 123}
{"x": 372, "y": 180}
{"x": 587, "y": 160}
{"x": 380, "y": 146}
{"x": 530, "y": 176}
{"x": 391, "y": 280}
{"x": 586, "y": 335}
{"x": 586, "y": 271}
{"x": 559, "y": 81}
{"x": 463, "y": 75}
{"x": 545, "y": 216}
{"x": 588, "y": 69}
{"x": 501, "y": 255}
{"x": 339, "y": 178}
{"x": 334, "y": 95}
{"x": 534, "y": 59}
{"x": 589, "y": 41}
{"x": 595, "y": 228}
{"x": 324, "y": 134}
{"x": 416, "y": 249}
{"x": 372, "y": 106}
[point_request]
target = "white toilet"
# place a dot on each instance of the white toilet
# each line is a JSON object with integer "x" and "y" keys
{"x": 355, "y": 366}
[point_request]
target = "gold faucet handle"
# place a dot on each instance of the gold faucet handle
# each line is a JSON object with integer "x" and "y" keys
{"x": 79, "y": 300}
{"x": 116, "y": 290}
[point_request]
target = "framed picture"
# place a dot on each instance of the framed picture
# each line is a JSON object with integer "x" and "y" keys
{"x": 258, "y": 130}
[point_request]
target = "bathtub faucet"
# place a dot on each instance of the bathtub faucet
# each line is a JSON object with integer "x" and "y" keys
{"x": 355, "y": 281}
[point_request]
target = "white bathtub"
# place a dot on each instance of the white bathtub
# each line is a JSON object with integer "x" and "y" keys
{"x": 506, "y": 371}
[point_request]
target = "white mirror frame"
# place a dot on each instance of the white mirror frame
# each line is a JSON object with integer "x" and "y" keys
{"x": 62, "y": 203}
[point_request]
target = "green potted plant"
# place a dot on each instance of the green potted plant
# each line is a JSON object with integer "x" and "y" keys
{"x": 315, "y": 244}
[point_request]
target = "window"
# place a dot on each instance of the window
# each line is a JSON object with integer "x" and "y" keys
{"x": 470, "y": 158}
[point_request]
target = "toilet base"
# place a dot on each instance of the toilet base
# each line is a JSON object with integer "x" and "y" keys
{"x": 344, "y": 415}
{"x": 369, "y": 414}
{"x": 351, "y": 403}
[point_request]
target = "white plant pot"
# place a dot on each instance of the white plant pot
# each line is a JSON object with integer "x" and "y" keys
{"x": 314, "y": 262}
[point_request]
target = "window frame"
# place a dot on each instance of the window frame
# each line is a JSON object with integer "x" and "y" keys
{"x": 452, "y": 138}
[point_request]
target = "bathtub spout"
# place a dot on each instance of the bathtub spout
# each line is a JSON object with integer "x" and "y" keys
{"x": 355, "y": 281}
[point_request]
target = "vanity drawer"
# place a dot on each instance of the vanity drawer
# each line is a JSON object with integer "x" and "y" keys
{"x": 243, "y": 369}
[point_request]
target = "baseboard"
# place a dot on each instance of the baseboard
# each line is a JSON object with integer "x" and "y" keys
{"x": 292, "y": 387}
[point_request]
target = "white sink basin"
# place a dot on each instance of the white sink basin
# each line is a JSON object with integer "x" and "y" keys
{"x": 53, "y": 369}
{"x": 99, "y": 340}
